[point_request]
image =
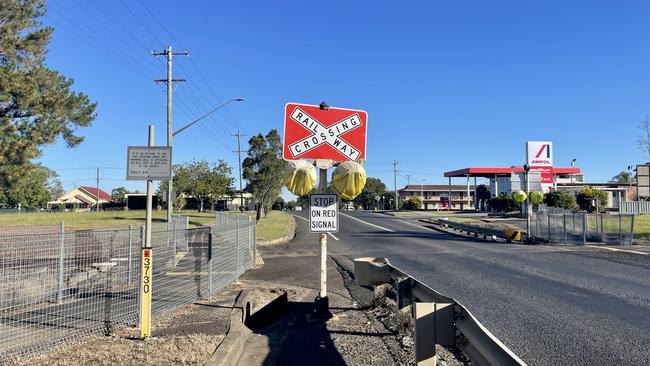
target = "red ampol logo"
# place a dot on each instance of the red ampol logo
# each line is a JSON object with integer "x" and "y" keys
{"x": 548, "y": 151}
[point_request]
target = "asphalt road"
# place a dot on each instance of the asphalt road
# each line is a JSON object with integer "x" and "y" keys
{"x": 551, "y": 305}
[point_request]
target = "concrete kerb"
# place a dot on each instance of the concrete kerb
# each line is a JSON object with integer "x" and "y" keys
{"x": 291, "y": 232}
{"x": 251, "y": 302}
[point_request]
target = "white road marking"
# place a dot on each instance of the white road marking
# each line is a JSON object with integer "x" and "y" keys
{"x": 416, "y": 225}
{"x": 618, "y": 250}
{"x": 330, "y": 234}
{"x": 367, "y": 223}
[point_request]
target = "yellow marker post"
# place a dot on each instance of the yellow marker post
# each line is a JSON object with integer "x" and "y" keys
{"x": 145, "y": 292}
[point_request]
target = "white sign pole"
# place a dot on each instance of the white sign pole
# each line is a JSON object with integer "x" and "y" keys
{"x": 322, "y": 293}
{"x": 149, "y": 196}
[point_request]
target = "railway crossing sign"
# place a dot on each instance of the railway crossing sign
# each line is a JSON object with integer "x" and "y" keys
{"x": 336, "y": 134}
{"x": 324, "y": 213}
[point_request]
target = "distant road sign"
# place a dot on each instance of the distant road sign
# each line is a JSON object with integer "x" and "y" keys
{"x": 323, "y": 213}
{"x": 312, "y": 133}
{"x": 148, "y": 163}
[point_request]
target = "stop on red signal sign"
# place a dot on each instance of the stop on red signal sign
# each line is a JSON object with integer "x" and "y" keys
{"x": 335, "y": 134}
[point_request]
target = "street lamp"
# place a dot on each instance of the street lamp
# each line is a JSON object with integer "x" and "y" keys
{"x": 169, "y": 184}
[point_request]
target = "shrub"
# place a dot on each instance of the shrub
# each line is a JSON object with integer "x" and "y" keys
{"x": 588, "y": 196}
{"x": 413, "y": 203}
{"x": 503, "y": 203}
{"x": 560, "y": 199}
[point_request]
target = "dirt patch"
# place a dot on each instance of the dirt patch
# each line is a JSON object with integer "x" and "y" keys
{"x": 187, "y": 336}
{"x": 125, "y": 349}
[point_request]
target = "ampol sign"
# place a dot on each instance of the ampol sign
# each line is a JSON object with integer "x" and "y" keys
{"x": 335, "y": 134}
{"x": 539, "y": 156}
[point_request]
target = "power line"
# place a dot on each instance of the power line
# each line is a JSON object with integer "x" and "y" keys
{"x": 98, "y": 42}
{"x": 142, "y": 23}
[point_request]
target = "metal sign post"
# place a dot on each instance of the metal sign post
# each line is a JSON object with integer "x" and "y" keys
{"x": 147, "y": 163}
{"x": 323, "y": 219}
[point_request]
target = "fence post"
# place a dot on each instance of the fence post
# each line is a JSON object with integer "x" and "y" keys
{"x": 174, "y": 235}
{"x": 237, "y": 271}
{"x": 632, "y": 230}
{"x": 548, "y": 215}
{"x": 186, "y": 233}
{"x": 254, "y": 240}
{"x": 129, "y": 267}
{"x": 620, "y": 230}
{"x": 251, "y": 252}
{"x": 59, "y": 295}
{"x": 210, "y": 261}
{"x": 573, "y": 216}
{"x": 564, "y": 228}
{"x": 602, "y": 230}
{"x": 584, "y": 228}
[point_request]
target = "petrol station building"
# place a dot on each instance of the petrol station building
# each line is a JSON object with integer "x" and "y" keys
{"x": 507, "y": 180}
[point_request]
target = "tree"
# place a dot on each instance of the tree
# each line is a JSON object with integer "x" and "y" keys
{"x": 25, "y": 186}
{"x": 588, "y": 197}
{"x": 560, "y": 199}
{"x": 368, "y": 197}
{"x": 179, "y": 186}
{"x": 413, "y": 203}
{"x": 54, "y": 186}
{"x": 37, "y": 105}
{"x": 204, "y": 182}
{"x": 118, "y": 193}
{"x": 483, "y": 192}
{"x": 278, "y": 203}
{"x": 264, "y": 169}
{"x": 643, "y": 138}
{"x": 623, "y": 177}
{"x": 291, "y": 205}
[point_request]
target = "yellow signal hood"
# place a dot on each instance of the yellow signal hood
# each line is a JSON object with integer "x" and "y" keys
{"x": 300, "y": 178}
{"x": 348, "y": 179}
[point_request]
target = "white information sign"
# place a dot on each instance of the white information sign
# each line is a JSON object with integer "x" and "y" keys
{"x": 324, "y": 213}
{"x": 148, "y": 163}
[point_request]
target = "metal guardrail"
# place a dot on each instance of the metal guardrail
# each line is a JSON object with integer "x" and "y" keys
{"x": 438, "y": 319}
{"x": 486, "y": 232}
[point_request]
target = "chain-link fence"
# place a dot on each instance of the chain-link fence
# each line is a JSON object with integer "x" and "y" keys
{"x": 556, "y": 225}
{"x": 56, "y": 287}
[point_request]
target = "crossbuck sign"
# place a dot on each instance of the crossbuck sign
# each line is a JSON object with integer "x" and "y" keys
{"x": 335, "y": 134}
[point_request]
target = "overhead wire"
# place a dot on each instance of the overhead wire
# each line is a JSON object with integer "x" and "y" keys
{"x": 96, "y": 41}
{"x": 227, "y": 115}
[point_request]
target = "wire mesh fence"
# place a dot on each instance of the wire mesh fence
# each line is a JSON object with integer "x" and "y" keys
{"x": 56, "y": 287}
{"x": 559, "y": 226}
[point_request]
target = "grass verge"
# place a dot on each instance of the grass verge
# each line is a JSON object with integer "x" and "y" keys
{"x": 102, "y": 219}
{"x": 274, "y": 226}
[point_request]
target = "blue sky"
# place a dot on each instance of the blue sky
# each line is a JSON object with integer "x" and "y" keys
{"x": 447, "y": 85}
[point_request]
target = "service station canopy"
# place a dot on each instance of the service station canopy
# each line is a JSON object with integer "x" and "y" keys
{"x": 335, "y": 134}
{"x": 492, "y": 172}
